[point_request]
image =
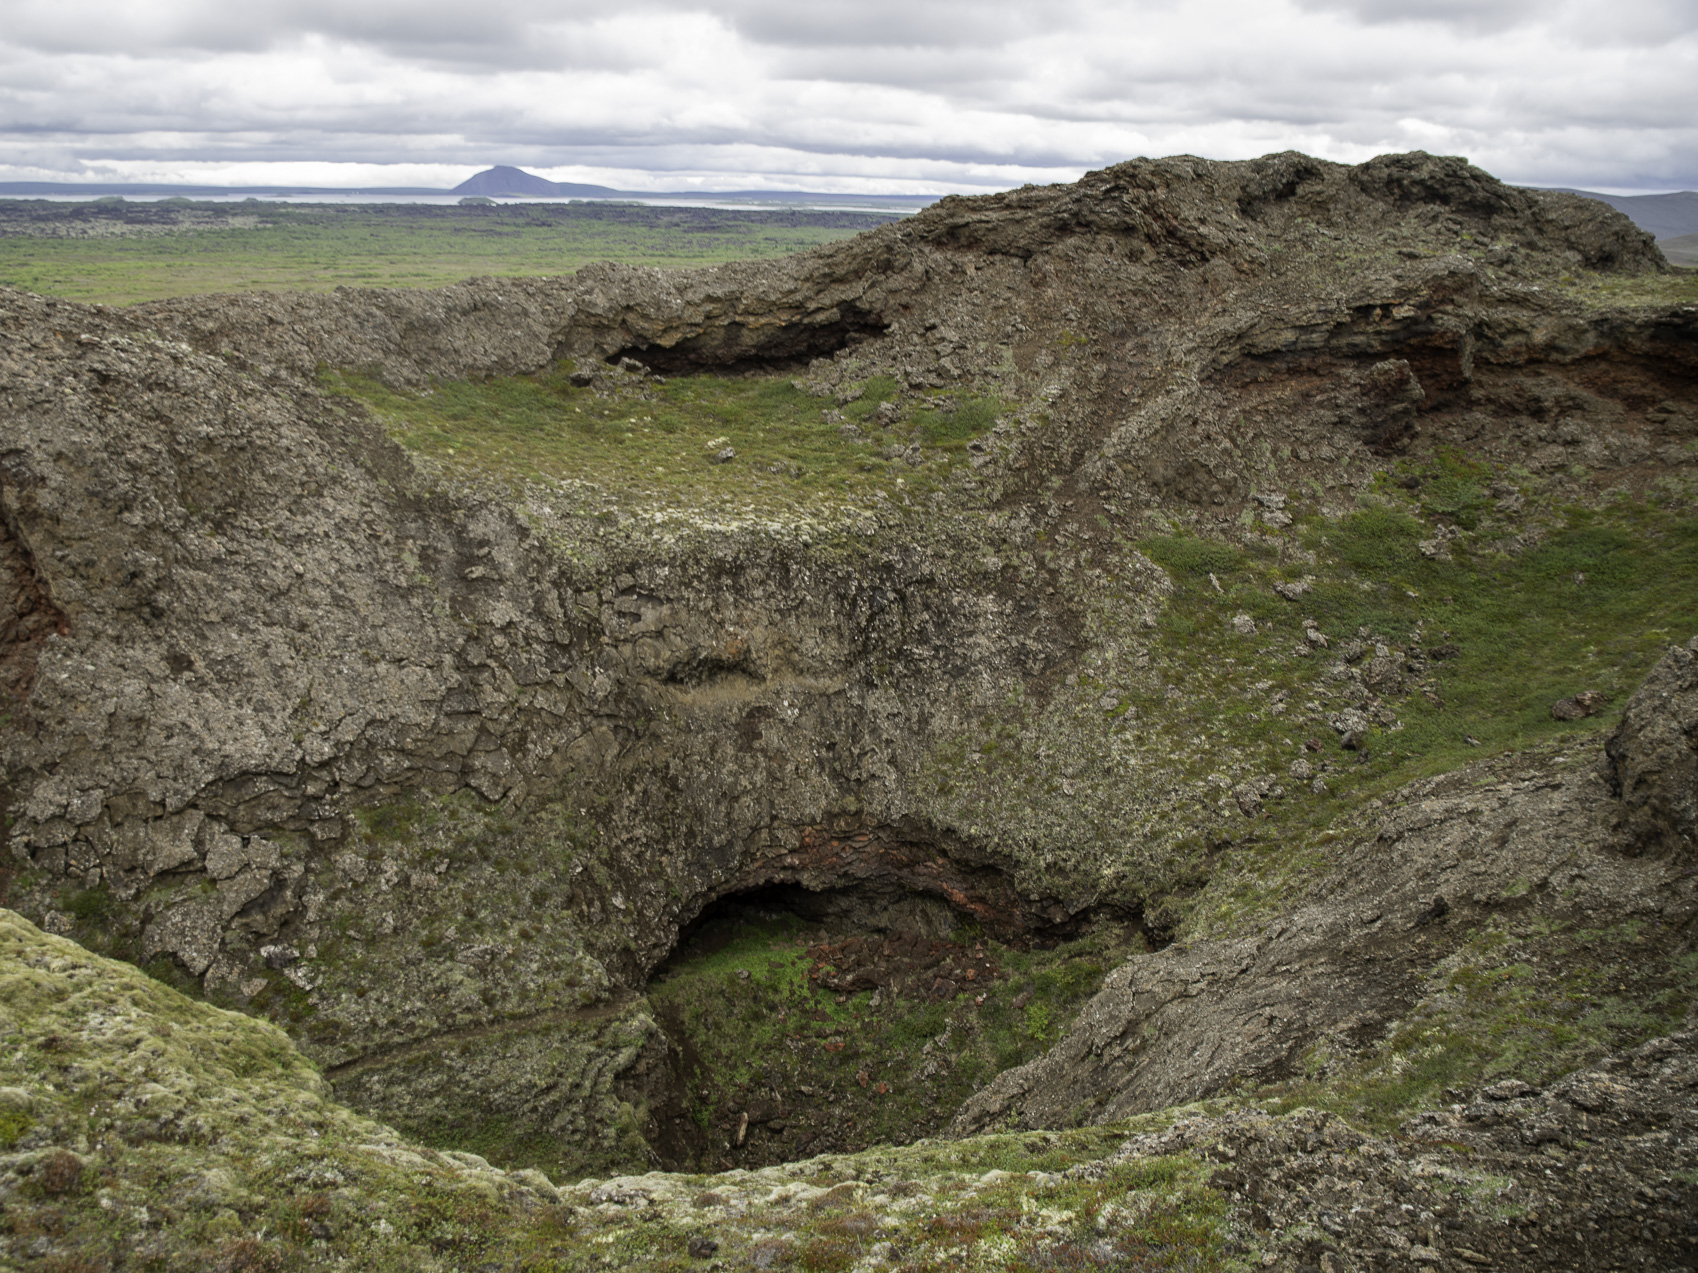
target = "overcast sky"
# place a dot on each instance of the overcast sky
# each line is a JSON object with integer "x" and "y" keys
{"x": 843, "y": 95}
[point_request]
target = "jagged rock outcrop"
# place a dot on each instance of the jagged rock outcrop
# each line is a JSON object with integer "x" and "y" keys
{"x": 1115, "y": 227}
{"x": 398, "y": 758}
{"x": 1653, "y": 759}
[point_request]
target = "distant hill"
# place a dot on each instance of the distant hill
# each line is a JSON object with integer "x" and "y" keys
{"x": 505, "y": 182}
{"x": 1681, "y": 250}
{"x": 1666, "y": 216}
{"x": 500, "y": 182}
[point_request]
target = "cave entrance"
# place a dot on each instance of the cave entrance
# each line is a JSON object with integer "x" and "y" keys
{"x": 864, "y": 911}
{"x": 736, "y": 348}
{"x": 809, "y": 1020}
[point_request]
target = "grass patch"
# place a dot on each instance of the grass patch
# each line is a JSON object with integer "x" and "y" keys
{"x": 658, "y": 444}
{"x": 1631, "y": 291}
{"x": 121, "y": 253}
{"x": 1183, "y": 748}
{"x": 875, "y": 392}
{"x": 1589, "y": 608}
{"x": 954, "y": 424}
{"x": 1473, "y": 644}
{"x": 1191, "y": 557}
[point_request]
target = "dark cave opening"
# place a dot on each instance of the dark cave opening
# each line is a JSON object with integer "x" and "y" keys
{"x": 800, "y": 1021}
{"x": 736, "y": 349}
{"x": 861, "y": 910}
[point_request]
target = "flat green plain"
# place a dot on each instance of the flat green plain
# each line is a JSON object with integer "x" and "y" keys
{"x": 113, "y": 252}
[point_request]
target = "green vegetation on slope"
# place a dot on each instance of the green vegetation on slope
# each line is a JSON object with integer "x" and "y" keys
{"x": 659, "y": 444}
{"x": 319, "y": 247}
{"x": 184, "y": 1136}
{"x": 1457, "y": 605}
{"x": 1631, "y": 290}
{"x": 1526, "y": 1000}
{"x": 1491, "y": 633}
{"x": 1491, "y": 638}
{"x": 193, "y": 1137}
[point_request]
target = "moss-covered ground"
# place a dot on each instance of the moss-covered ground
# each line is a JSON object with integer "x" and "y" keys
{"x": 141, "y": 1129}
{"x": 115, "y": 254}
{"x": 1630, "y": 291}
{"x": 155, "y": 1131}
{"x": 138, "y": 1127}
{"x": 657, "y": 444}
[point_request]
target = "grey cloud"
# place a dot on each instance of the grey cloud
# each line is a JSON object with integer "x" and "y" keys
{"x": 401, "y": 26}
{"x": 1629, "y": 22}
{"x": 891, "y": 24}
{"x": 215, "y": 26}
{"x": 979, "y": 73}
{"x": 1533, "y": 90}
{"x": 1486, "y": 16}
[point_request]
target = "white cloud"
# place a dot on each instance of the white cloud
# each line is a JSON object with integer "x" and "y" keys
{"x": 842, "y": 94}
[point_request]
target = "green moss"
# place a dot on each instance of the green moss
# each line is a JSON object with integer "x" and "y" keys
{"x": 210, "y": 1140}
{"x": 1453, "y": 487}
{"x": 207, "y": 1132}
{"x": 90, "y": 904}
{"x": 394, "y": 821}
{"x": 1632, "y": 291}
{"x": 957, "y": 423}
{"x": 1189, "y": 556}
{"x": 13, "y": 1124}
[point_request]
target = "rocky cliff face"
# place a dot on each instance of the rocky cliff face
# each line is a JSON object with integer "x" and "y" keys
{"x": 433, "y": 770}
{"x": 1527, "y": 842}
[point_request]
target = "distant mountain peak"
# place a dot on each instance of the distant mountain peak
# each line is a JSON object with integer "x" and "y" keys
{"x": 503, "y": 180}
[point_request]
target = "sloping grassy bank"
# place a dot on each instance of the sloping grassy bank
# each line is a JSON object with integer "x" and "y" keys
{"x": 760, "y": 446}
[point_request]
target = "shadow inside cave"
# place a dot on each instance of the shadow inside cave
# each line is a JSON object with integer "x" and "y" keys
{"x": 860, "y": 910}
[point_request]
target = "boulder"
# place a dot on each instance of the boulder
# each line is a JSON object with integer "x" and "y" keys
{"x": 1653, "y": 759}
